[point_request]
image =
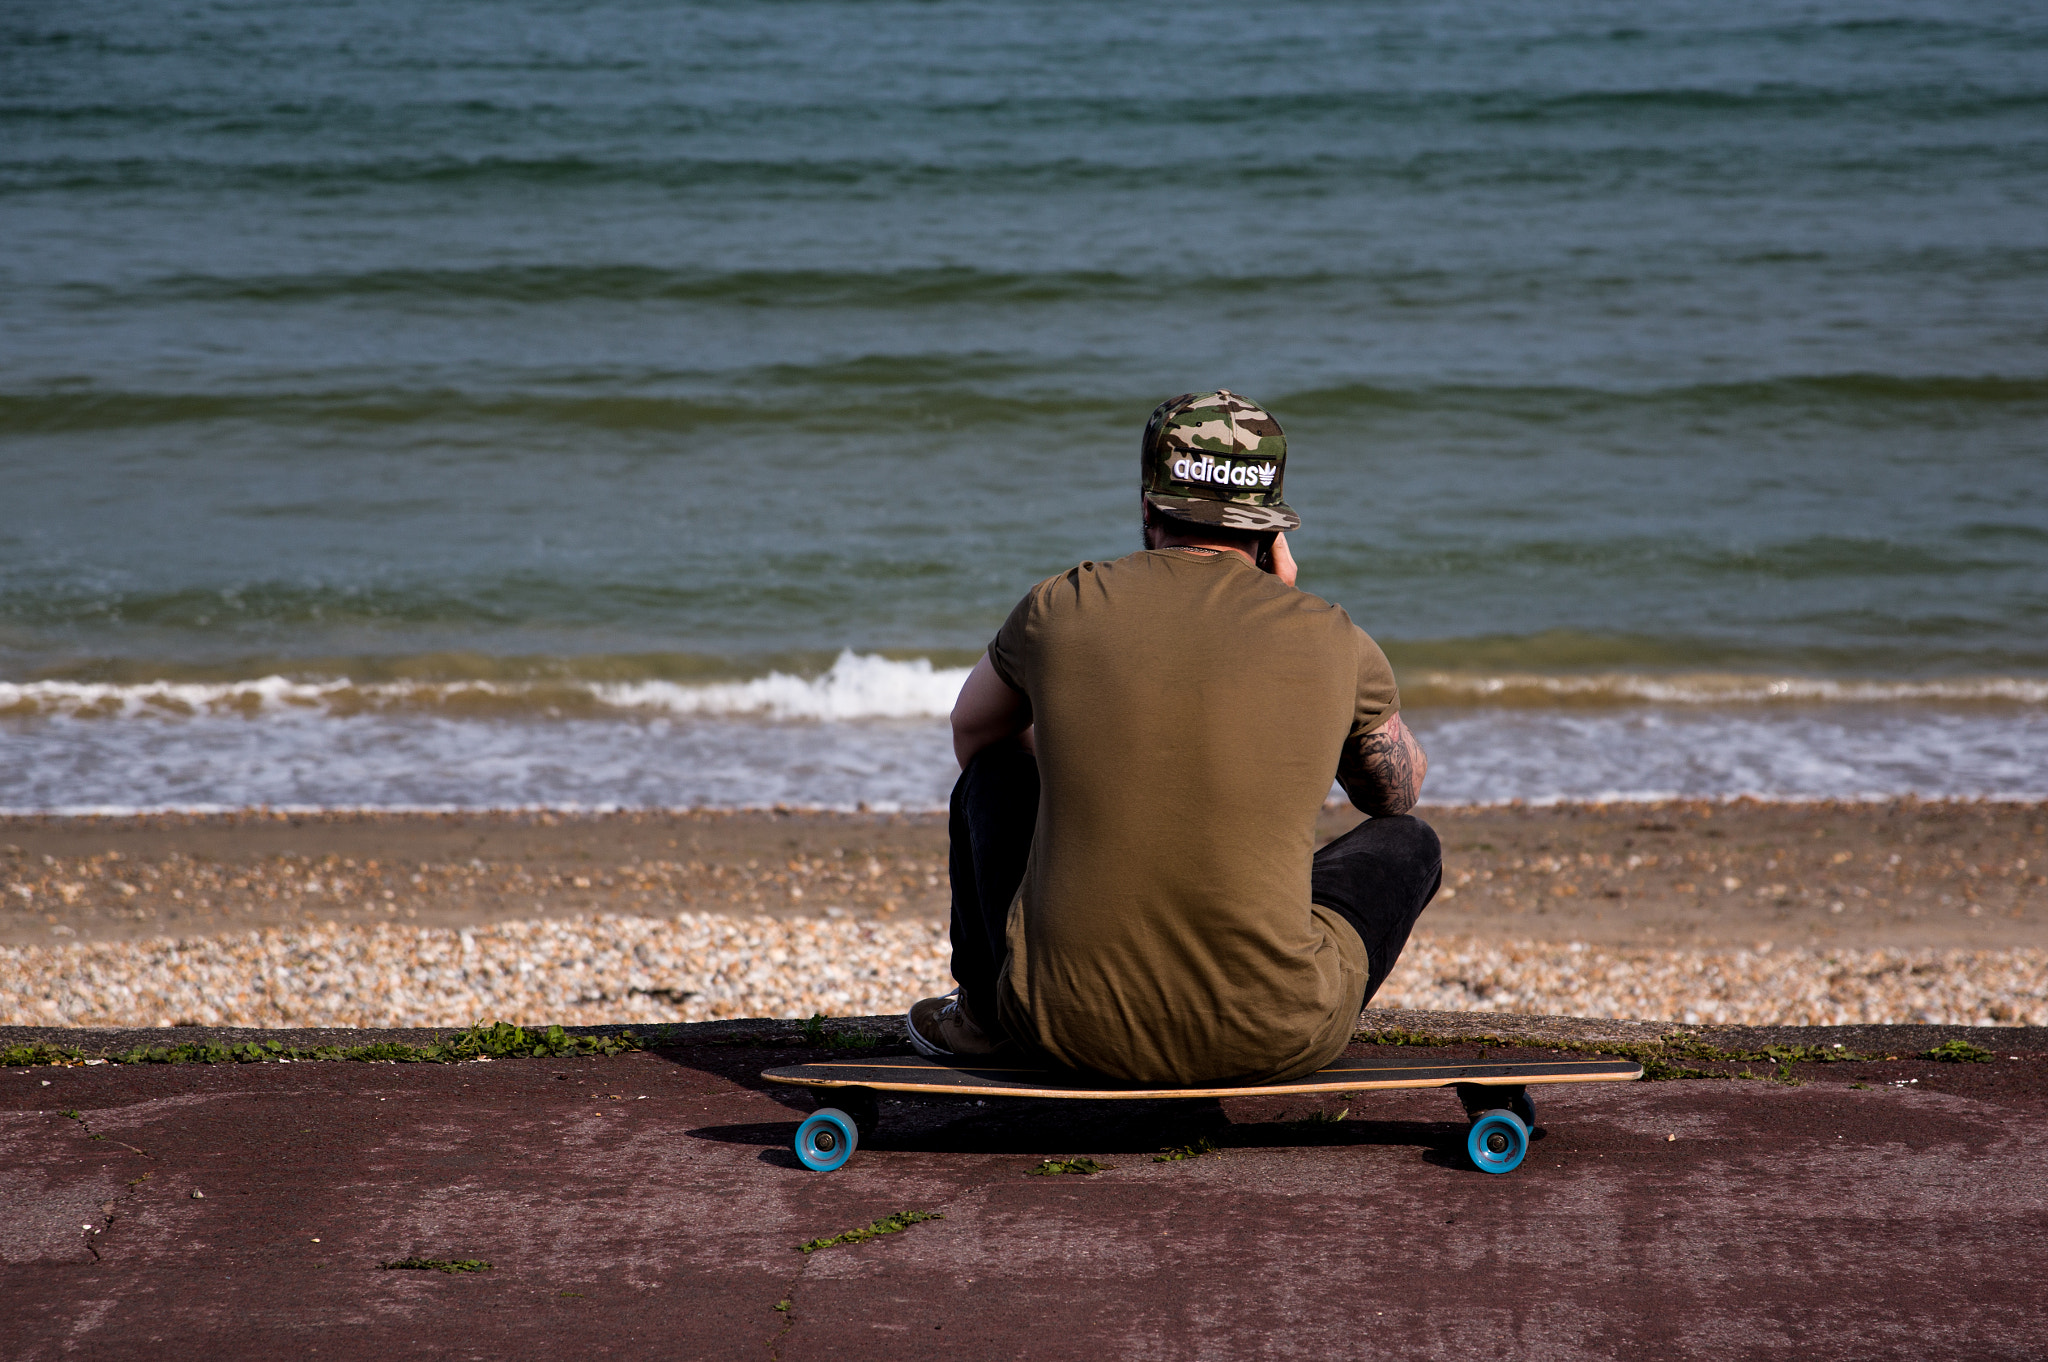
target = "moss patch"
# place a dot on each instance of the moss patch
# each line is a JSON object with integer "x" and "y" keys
{"x": 1661, "y": 1060}
{"x": 486, "y": 1040}
{"x": 888, "y": 1224}
{"x": 814, "y": 1033}
{"x": 1958, "y": 1052}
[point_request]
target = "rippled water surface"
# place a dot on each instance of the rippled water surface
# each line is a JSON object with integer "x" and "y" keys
{"x": 469, "y": 366}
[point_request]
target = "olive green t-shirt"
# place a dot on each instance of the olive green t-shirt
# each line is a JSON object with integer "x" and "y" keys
{"x": 1190, "y": 715}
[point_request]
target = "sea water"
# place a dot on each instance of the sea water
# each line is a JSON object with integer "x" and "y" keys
{"x": 623, "y": 404}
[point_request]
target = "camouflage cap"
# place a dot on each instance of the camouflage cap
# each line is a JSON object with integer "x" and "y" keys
{"x": 1216, "y": 459}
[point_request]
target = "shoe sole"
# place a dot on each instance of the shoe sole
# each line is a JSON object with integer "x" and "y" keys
{"x": 924, "y": 1047}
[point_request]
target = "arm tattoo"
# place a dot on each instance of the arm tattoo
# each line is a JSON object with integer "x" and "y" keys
{"x": 1385, "y": 777}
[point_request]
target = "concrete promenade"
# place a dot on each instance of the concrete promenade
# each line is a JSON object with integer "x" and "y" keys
{"x": 647, "y": 1205}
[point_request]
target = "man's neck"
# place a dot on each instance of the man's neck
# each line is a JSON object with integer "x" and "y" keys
{"x": 1199, "y": 546}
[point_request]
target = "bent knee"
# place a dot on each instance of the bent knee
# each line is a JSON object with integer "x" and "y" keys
{"x": 1408, "y": 837}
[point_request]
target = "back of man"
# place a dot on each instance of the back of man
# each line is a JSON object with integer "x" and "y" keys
{"x": 1144, "y": 751}
{"x": 1189, "y": 712}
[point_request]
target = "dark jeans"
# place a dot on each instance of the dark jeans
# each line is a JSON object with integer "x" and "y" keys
{"x": 1378, "y": 877}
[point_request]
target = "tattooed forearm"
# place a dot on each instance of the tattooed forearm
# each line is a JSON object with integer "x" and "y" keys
{"x": 1384, "y": 776}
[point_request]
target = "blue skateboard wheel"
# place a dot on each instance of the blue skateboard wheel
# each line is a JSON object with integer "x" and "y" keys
{"x": 1497, "y": 1142}
{"x": 826, "y": 1140}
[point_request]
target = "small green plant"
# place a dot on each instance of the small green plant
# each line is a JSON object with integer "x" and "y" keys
{"x": 1319, "y": 1117}
{"x": 1205, "y": 1145}
{"x": 814, "y": 1033}
{"x": 1053, "y": 1168}
{"x": 436, "y": 1265}
{"x": 1958, "y": 1052}
{"x": 888, "y": 1224}
{"x": 1809, "y": 1054}
{"x": 35, "y": 1052}
{"x": 1658, "y": 1070}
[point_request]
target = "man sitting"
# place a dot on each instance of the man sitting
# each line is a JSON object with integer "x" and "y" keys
{"x": 1145, "y": 748}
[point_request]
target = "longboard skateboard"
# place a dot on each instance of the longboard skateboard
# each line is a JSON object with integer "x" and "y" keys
{"x": 1495, "y": 1096}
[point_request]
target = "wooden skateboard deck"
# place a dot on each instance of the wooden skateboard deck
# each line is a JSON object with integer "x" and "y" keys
{"x": 915, "y": 1074}
{"x": 1495, "y": 1096}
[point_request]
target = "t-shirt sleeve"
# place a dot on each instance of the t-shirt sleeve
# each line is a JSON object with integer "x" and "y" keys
{"x": 1009, "y": 652}
{"x": 1378, "y": 699}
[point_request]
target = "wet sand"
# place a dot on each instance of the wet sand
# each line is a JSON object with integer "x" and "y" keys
{"x": 1904, "y": 874}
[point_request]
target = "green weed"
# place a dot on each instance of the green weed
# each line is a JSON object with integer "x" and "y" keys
{"x": 888, "y": 1224}
{"x": 35, "y": 1052}
{"x": 485, "y": 1040}
{"x": 814, "y": 1033}
{"x": 1958, "y": 1052}
{"x": 1053, "y": 1168}
{"x": 1660, "y": 1060}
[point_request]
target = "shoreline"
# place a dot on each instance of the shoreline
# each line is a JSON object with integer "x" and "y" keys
{"x": 118, "y": 813}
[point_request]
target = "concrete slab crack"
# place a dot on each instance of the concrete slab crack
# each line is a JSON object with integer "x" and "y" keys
{"x": 787, "y": 1307}
{"x": 85, "y": 1124}
{"x": 108, "y": 1209}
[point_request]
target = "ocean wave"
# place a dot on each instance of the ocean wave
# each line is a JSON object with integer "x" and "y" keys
{"x": 856, "y": 687}
{"x": 954, "y": 395}
{"x": 928, "y": 287}
{"x": 862, "y": 686}
{"x": 1437, "y": 688}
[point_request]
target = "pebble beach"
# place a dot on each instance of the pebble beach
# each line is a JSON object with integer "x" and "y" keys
{"x": 704, "y": 967}
{"x": 1680, "y": 912}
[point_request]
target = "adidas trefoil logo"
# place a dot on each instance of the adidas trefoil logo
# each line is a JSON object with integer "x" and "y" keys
{"x": 1266, "y": 472}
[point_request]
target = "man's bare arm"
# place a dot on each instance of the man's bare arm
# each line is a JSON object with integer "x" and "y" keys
{"x": 987, "y": 712}
{"x": 1384, "y": 773}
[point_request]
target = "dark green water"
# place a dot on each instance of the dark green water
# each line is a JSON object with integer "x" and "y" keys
{"x": 1694, "y": 350}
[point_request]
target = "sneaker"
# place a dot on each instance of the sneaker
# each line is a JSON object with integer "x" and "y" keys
{"x": 941, "y": 1029}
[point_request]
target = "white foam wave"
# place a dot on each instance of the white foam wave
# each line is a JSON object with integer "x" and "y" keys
{"x": 1715, "y": 688}
{"x": 21, "y": 699}
{"x": 865, "y": 686}
{"x": 858, "y": 686}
